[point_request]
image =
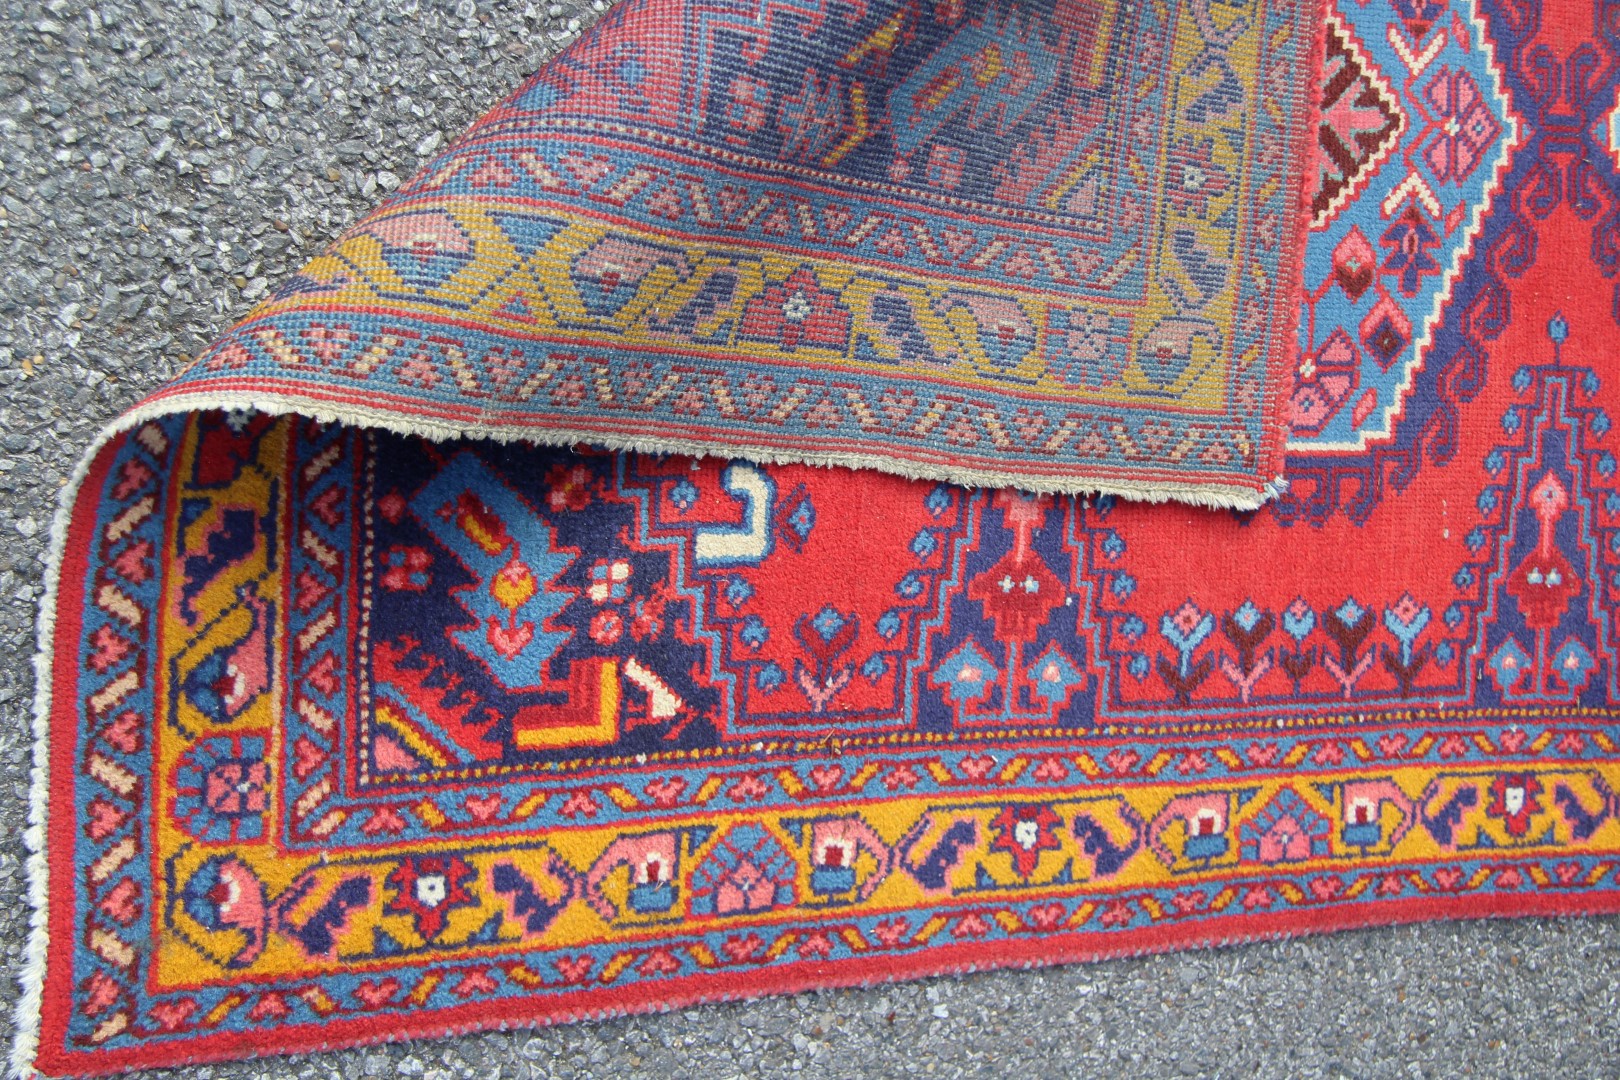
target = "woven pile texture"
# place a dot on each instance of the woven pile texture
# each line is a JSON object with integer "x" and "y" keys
{"x": 354, "y": 731}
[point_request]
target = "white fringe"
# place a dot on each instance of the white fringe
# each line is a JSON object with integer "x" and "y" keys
{"x": 1219, "y": 496}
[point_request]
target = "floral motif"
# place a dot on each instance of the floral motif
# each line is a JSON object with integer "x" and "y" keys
{"x": 1514, "y": 799}
{"x": 797, "y": 312}
{"x": 405, "y": 568}
{"x": 610, "y": 581}
{"x": 1186, "y": 628}
{"x": 1194, "y": 178}
{"x": 221, "y": 788}
{"x": 1406, "y": 621}
{"x": 1412, "y": 242}
{"x": 1018, "y": 593}
{"x": 966, "y": 674}
{"x": 568, "y": 487}
{"x": 607, "y": 626}
{"x": 1054, "y": 677}
{"x": 1323, "y": 382}
{"x": 1286, "y": 830}
{"x": 428, "y": 889}
{"x": 1024, "y": 831}
{"x": 1087, "y": 348}
{"x": 1545, "y": 581}
{"x": 1509, "y": 664}
{"x": 825, "y": 637}
{"x": 1466, "y": 126}
{"x": 683, "y": 494}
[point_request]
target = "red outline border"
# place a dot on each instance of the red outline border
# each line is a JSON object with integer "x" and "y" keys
{"x": 728, "y": 985}
{"x": 61, "y": 833}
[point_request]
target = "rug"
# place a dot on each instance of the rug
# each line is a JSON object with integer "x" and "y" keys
{"x": 1043, "y": 244}
{"x": 347, "y": 733}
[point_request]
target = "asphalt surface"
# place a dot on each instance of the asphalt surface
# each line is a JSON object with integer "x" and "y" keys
{"x": 162, "y": 164}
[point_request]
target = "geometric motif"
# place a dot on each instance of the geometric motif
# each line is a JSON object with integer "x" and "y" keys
{"x": 1415, "y": 133}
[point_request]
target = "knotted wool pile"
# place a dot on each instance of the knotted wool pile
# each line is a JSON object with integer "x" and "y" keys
{"x": 400, "y": 675}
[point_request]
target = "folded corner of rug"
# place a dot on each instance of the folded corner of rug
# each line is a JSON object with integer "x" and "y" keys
{"x": 1074, "y": 272}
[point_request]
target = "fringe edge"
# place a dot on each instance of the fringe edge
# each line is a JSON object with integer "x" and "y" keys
{"x": 1226, "y": 495}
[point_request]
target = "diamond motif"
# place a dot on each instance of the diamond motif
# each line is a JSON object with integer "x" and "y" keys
{"x": 1361, "y": 122}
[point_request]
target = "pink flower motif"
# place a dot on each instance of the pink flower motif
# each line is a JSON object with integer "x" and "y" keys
{"x": 893, "y": 244}
{"x": 1406, "y": 609}
{"x": 815, "y": 946}
{"x": 579, "y": 803}
{"x": 742, "y": 947}
{"x": 328, "y": 343}
{"x": 892, "y": 932}
{"x": 235, "y": 788}
{"x": 901, "y": 776}
{"x": 420, "y": 372}
{"x": 1186, "y": 618}
{"x": 568, "y": 487}
{"x": 797, "y": 312}
{"x": 659, "y": 962}
{"x": 406, "y": 569}
{"x": 1118, "y": 913}
{"x": 1467, "y": 126}
{"x": 607, "y": 627}
{"x": 1194, "y": 177}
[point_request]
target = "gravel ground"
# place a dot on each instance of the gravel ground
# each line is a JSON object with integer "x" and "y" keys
{"x": 162, "y": 164}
